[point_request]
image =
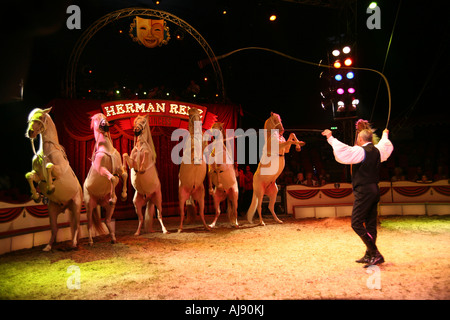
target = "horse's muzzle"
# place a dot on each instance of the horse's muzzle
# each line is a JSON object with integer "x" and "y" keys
{"x": 31, "y": 134}
{"x": 137, "y": 133}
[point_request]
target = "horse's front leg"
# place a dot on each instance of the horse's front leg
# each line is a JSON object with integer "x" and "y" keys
{"x": 33, "y": 177}
{"x": 298, "y": 144}
{"x": 112, "y": 179}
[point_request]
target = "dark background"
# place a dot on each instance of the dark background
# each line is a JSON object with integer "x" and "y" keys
{"x": 37, "y": 45}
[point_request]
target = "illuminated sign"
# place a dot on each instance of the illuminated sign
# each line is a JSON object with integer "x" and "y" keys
{"x": 162, "y": 112}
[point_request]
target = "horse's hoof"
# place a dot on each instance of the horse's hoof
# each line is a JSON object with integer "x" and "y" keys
{"x": 165, "y": 232}
{"x": 47, "y": 248}
{"x": 113, "y": 241}
{"x": 91, "y": 243}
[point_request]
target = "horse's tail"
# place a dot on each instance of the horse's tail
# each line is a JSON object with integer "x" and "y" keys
{"x": 97, "y": 220}
{"x": 252, "y": 209}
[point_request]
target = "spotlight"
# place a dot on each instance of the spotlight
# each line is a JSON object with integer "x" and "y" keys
{"x": 340, "y": 91}
{"x": 373, "y": 5}
{"x": 337, "y": 64}
{"x": 348, "y": 62}
{"x": 273, "y": 17}
{"x": 350, "y": 75}
{"x": 351, "y": 90}
{"x": 346, "y": 49}
{"x": 338, "y": 77}
{"x": 341, "y": 106}
{"x": 335, "y": 53}
{"x": 355, "y": 102}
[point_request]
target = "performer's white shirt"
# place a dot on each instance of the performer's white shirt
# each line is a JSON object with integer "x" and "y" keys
{"x": 346, "y": 154}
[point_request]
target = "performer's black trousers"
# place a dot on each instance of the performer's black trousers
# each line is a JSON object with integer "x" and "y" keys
{"x": 365, "y": 209}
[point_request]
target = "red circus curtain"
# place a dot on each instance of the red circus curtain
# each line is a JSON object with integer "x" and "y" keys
{"x": 72, "y": 120}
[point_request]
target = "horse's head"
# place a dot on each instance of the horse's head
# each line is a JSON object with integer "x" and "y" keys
{"x": 37, "y": 122}
{"x": 100, "y": 123}
{"x": 362, "y": 125}
{"x": 194, "y": 114}
{"x": 218, "y": 126}
{"x": 274, "y": 122}
{"x": 140, "y": 124}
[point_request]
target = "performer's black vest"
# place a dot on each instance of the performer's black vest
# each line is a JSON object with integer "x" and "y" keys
{"x": 367, "y": 171}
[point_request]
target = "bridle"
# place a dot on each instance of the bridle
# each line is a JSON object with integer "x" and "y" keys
{"x": 277, "y": 125}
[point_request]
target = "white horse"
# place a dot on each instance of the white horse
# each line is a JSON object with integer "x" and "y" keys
{"x": 265, "y": 182}
{"x": 144, "y": 176}
{"x": 192, "y": 171}
{"x": 54, "y": 176}
{"x": 102, "y": 179}
{"x": 222, "y": 176}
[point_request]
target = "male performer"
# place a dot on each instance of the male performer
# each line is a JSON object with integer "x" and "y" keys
{"x": 366, "y": 159}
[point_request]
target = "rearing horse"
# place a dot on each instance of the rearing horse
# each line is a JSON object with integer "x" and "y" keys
{"x": 102, "y": 179}
{"x": 52, "y": 172}
{"x": 222, "y": 176}
{"x": 144, "y": 176}
{"x": 270, "y": 167}
{"x": 192, "y": 170}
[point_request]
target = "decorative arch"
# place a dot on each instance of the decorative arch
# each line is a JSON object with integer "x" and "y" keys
{"x": 70, "y": 83}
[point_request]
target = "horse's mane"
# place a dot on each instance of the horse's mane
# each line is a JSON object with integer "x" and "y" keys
{"x": 365, "y": 125}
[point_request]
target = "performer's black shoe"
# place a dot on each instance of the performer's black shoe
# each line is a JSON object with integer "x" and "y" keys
{"x": 377, "y": 258}
{"x": 364, "y": 259}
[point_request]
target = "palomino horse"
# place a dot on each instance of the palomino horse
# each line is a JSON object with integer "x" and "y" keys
{"x": 54, "y": 176}
{"x": 270, "y": 167}
{"x": 221, "y": 174}
{"x": 192, "y": 170}
{"x": 144, "y": 176}
{"x": 102, "y": 179}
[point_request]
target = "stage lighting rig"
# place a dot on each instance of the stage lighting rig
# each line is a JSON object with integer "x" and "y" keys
{"x": 342, "y": 82}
